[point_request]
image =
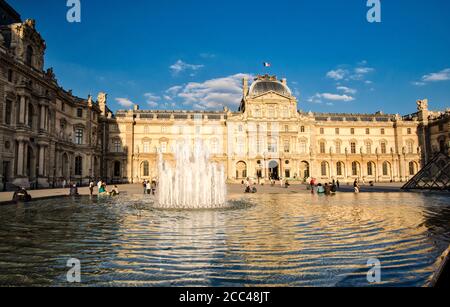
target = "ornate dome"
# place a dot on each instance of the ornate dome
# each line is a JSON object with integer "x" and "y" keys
{"x": 264, "y": 85}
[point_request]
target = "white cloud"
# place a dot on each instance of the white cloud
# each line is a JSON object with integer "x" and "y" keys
{"x": 214, "y": 93}
{"x": 317, "y": 98}
{"x": 347, "y": 90}
{"x": 418, "y": 83}
{"x": 443, "y": 75}
{"x": 206, "y": 55}
{"x": 124, "y": 102}
{"x": 152, "y": 99}
{"x": 338, "y": 74}
{"x": 181, "y": 66}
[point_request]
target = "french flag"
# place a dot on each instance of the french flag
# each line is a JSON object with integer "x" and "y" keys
{"x": 266, "y": 64}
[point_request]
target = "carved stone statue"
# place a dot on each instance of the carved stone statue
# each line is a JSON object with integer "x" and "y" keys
{"x": 102, "y": 97}
{"x": 422, "y": 105}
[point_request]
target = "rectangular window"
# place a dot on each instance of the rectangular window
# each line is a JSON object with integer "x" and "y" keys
{"x": 353, "y": 148}
{"x": 146, "y": 147}
{"x": 383, "y": 148}
{"x": 322, "y": 131}
{"x": 8, "y": 111}
{"x": 79, "y": 136}
{"x": 409, "y": 131}
{"x": 338, "y": 131}
{"x": 302, "y": 129}
{"x": 338, "y": 148}
{"x": 383, "y": 132}
{"x": 78, "y": 166}
{"x": 352, "y": 131}
{"x": 287, "y": 147}
{"x": 322, "y": 148}
{"x": 302, "y": 147}
{"x": 80, "y": 113}
{"x": 10, "y": 75}
{"x": 368, "y": 148}
{"x": 367, "y": 131}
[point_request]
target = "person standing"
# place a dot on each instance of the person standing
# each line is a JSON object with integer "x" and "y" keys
{"x": 64, "y": 183}
{"x": 356, "y": 187}
{"x": 91, "y": 188}
{"x": 149, "y": 188}
{"x": 338, "y": 184}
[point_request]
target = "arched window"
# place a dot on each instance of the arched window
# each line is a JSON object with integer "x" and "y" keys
{"x": 29, "y": 56}
{"x": 117, "y": 169}
{"x": 78, "y": 166}
{"x": 145, "y": 169}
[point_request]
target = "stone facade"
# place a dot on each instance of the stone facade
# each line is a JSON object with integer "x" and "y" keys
{"x": 48, "y": 136}
{"x": 268, "y": 138}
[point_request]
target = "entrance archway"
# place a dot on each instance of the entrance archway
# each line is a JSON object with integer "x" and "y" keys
{"x": 274, "y": 170}
{"x": 241, "y": 170}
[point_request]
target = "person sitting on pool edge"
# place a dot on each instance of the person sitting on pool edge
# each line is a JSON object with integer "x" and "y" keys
{"x": 115, "y": 191}
{"x": 21, "y": 195}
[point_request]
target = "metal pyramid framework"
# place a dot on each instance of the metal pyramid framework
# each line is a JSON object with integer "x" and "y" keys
{"x": 434, "y": 176}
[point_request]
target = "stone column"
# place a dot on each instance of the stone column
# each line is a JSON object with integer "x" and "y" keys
{"x": 20, "y": 158}
{"x": 22, "y": 110}
{"x": 42, "y": 121}
{"x": 41, "y": 160}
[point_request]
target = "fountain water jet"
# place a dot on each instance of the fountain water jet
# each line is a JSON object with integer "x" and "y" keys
{"x": 194, "y": 183}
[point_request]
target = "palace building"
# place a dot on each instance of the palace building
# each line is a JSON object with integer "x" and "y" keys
{"x": 48, "y": 136}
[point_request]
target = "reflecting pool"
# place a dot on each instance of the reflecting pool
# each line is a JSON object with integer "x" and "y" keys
{"x": 261, "y": 240}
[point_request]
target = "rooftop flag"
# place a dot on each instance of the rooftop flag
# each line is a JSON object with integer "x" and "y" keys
{"x": 267, "y": 64}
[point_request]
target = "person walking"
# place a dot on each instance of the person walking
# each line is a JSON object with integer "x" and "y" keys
{"x": 149, "y": 188}
{"x": 356, "y": 187}
{"x": 144, "y": 185}
{"x": 338, "y": 184}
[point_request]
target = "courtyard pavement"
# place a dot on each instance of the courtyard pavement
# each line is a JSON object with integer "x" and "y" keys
{"x": 233, "y": 189}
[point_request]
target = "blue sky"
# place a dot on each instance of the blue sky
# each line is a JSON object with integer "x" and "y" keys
{"x": 191, "y": 54}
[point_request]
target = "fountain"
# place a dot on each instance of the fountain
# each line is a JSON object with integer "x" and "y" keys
{"x": 194, "y": 183}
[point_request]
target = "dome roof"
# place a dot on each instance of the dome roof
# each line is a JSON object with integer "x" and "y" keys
{"x": 260, "y": 87}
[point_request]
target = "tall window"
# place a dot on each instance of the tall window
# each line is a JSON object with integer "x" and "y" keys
{"x": 383, "y": 148}
{"x": 370, "y": 169}
{"x": 78, "y": 166}
{"x": 353, "y": 147}
{"x": 272, "y": 146}
{"x": 368, "y": 148}
{"x": 145, "y": 169}
{"x": 30, "y": 115}
{"x": 339, "y": 169}
{"x": 338, "y": 131}
{"x": 383, "y": 131}
{"x": 146, "y": 147}
{"x": 302, "y": 147}
{"x": 338, "y": 147}
{"x": 10, "y": 75}
{"x": 409, "y": 131}
{"x": 322, "y": 131}
{"x": 410, "y": 146}
{"x": 79, "y": 136}
{"x": 302, "y": 129}
{"x": 117, "y": 145}
{"x": 412, "y": 168}
{"x": 8, "y": 111}
{"x": 29, "y": 56}
{"x": 352, "y": 131}
{"x": 385, "y": 169}
{"x": 367, "y": 131}
{"x": 80, "y": 113}
{"x": 323, "y": 147}
{"x": 287, "y": 146}
{"x": 117, "y": 169}
{"x": 324, "y": 169}
{"x": 355, "y": 168}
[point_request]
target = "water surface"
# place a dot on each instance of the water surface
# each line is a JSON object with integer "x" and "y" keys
{"x": 264, "y": 240}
